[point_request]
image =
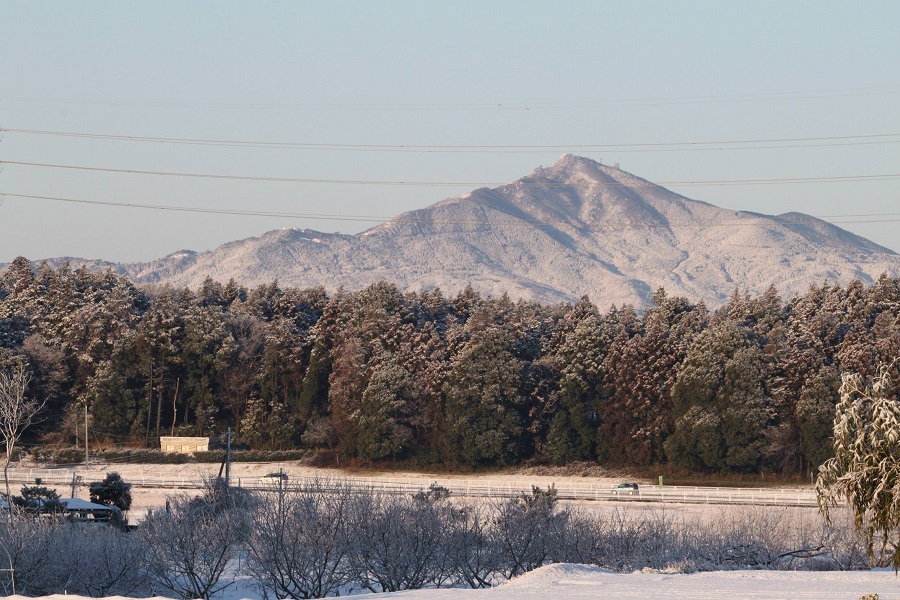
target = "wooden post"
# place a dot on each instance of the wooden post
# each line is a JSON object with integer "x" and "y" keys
{"x": 175, "y": 405}
{"x": 149, "y": 405}
{"x": 159, "y": 405}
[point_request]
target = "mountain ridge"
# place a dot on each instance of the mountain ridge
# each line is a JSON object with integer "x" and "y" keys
{"x": 575, "y": 228}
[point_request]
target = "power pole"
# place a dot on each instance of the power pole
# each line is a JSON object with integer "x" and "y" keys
{"x": 159, "y": 402}
{"x": 280, "y": 491}
{"x": 228, "y": 458}
{"x": 86, "y": 434}
{"x": 175, "y": 405}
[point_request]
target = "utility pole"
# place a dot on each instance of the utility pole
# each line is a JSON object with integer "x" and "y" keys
{"x": 159, "y": 402}
{"x": 280, "y": 491}
{"x": 228, "y": 458}
{"x": 175, "y": 405}
{"x": 86, "y": 434}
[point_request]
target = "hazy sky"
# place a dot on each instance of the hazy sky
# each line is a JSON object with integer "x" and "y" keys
{"x": 452, "y": 76}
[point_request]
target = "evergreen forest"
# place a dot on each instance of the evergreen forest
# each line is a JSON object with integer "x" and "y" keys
{"x": 379, "y": 375}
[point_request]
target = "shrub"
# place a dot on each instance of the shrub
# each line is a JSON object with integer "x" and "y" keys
{"x": 112, "y": 491}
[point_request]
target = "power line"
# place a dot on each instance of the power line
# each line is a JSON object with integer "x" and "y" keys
{"x": 741, "y": 220}
{"x": 218, "y": 211}
{"x": 741, "y": 144}
{"x": 547, "y": 184}
{"x": 522, "y": 106}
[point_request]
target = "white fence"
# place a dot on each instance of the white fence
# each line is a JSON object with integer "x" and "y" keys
{"x": 481, "y": 487}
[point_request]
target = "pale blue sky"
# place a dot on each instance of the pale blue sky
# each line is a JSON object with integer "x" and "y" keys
{"x": 428, "y": 73}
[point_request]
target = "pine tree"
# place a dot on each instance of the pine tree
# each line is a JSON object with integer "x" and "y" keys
{"x": 815, "y": 414}
{"x": 386, "y": 418}
{"x": 242, "y": 357}
{"x": 720, "y": 405}
{"x": 581, "y": 355}
{"x": 346, "y": 384}
{"x": 111, "y": 491}
{"x": 483, "y": 425}
{"x": 641, "y": 372}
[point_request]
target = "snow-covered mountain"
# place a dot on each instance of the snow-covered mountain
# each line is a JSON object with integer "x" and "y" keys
{"x": 575, "y": 228}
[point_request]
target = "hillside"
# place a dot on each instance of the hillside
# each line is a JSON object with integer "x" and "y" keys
{"x": 575, "y": 228}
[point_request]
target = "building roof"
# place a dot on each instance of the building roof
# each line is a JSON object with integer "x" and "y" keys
{"x": 79, "y": 504}
{"x": 72, "y": 504}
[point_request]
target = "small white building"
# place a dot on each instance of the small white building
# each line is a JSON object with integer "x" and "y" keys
{"x": 78, "y": 511}
{"x": 184, "y": 445}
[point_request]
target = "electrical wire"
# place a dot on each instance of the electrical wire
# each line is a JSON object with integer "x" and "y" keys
{"x": 221, "y": 211}
{"x": 524, "y": 183}
{"x": 742, "y": 220}
{"x": 741, "y": 144}
{"x": 494, "y": 106}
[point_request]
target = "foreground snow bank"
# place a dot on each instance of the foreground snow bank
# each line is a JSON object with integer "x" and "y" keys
{"x": 577, "y": 582}
{"x": 582, "y": 581}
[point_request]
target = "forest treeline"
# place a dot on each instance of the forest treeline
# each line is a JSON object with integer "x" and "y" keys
{"x": 383, "y": 375}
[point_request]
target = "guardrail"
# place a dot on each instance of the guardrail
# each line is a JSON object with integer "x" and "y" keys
{"x": 589, "y": 491}
{"x": 459, "y": 487}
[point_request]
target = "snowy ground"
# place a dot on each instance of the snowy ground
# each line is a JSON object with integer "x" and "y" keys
{"x": 149, "y": 498}
{"x": 145, "y": 499}
{"x": 577, "y": 582}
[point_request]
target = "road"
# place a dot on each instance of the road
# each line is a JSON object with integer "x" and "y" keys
{"x": 486, "y": 487}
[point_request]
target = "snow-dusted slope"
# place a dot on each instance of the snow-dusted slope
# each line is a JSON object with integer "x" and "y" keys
{"x": 575, "y": 228}
{"x": 584, "y": 582}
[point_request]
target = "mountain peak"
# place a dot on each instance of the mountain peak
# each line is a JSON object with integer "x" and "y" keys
{"x": 585, "y": 172}
{"x": 570, "y": 167}
{"x": 573, "y": 161}
{"x": 573, "y": 228}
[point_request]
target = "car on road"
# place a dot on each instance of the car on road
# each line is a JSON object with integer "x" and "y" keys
{"x": 626, "y": 489}
{"x": 274, "y": 479}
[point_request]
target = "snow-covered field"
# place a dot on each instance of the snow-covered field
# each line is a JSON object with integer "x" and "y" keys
{"x": 152, "y": 498}
{"x": 577, "y": 582}
{"x": 145, "y": 499}
{"x": 149, "y": 499}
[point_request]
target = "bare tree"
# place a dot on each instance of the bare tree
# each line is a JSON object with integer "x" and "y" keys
{"x": 190, "y": 546}
{"x": 16, "y": 412}
{"x": 529, "y": 530}
{"x": 16, "y": 415}
{"x": 300, "y": 540}
{"x": 473, "y": 555}
{"x": 580, "y": 538}
{"x": 28, "y": 544}
{"x": 50, "y": 556}
{"x": 99, "y": 563}
{"x": 398, "y": 543}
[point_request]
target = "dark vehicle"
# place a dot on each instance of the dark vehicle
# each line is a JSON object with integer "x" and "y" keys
{"x": 273, "y": 478}
{"x": 630, "y": 489}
